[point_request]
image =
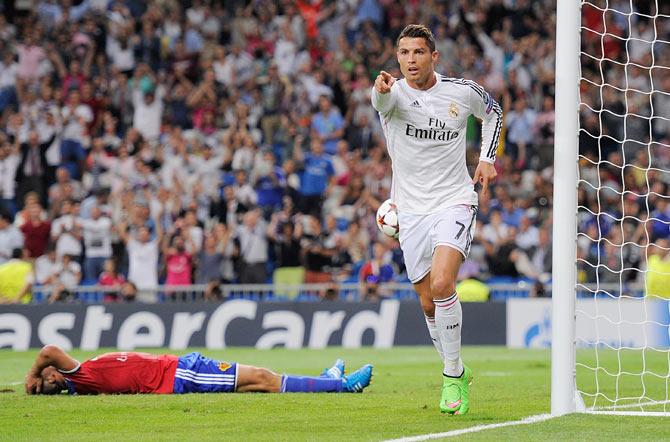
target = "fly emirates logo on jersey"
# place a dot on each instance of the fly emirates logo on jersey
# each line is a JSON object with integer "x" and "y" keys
{"x": 437, "y": 131}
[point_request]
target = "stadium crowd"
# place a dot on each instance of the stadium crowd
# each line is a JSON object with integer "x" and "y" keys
{"x": 205, "y": 142}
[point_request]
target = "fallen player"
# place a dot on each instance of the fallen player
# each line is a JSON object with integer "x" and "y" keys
{"x": 131, "y": 373}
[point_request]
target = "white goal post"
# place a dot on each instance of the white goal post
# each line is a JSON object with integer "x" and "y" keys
{"x": 611, "y": 344}
{"x": 566, "y": 151}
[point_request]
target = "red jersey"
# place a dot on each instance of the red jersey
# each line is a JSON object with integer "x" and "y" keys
{"x": 36, "y": 237}
{"x": 179, "y": 267}
{"x": 124, "y": 372}
{"x": 107, "y": 279}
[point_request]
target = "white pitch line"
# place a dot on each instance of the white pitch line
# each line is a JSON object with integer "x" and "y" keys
{"x": 640, "y": 405}
{"x": 528, "y": 420}
{"x": 631, "y": 413}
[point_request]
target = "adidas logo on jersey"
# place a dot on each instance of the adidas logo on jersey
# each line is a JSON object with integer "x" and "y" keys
{"x": 415, "y": 103}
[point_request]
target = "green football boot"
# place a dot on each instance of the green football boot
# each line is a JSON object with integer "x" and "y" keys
{"x": 456, "y": 393}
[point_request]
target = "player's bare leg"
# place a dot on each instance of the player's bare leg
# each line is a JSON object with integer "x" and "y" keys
{"x": 449, "y": 321}
{"x": 254, "y": 379}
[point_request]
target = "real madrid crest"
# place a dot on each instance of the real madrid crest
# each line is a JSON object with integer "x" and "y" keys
{"x": 453, "y": 110}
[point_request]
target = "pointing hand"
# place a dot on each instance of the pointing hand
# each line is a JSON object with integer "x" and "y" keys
{"x": 384, "y": 82}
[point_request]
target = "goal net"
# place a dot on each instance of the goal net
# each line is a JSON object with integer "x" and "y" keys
{"x": 622, "y": 310}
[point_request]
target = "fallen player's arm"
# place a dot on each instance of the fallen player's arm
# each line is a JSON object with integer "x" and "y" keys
{"x": 49, "y": 355}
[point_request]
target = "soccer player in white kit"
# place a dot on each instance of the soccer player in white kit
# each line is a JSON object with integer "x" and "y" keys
{"x": 424, "y": 118}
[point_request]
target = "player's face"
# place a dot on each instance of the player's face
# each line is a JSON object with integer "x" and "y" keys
{"x": 54, "y": 378}
{"x": 416, "y": 61}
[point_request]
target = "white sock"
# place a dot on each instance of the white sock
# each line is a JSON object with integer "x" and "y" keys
{"x": 448, "y": 321}
{"x": 434, "y": 336}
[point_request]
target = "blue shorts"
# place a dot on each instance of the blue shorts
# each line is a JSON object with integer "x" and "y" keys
{"x": 198, "y": 374}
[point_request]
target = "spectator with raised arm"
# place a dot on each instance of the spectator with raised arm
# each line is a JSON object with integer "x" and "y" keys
{"x": 143, "y": 254}
{"x": 66, "y": 232}
{"x": 97, "y": 233}
{"x": 148, "y": 103}
{"x": 31, "y": 175}
{"x": 76, "y": 116}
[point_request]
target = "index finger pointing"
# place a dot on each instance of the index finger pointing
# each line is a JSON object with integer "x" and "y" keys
{"x": 385, "y": 75}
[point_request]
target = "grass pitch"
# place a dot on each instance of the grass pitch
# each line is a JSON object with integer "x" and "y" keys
{"x": 402, "y": 401}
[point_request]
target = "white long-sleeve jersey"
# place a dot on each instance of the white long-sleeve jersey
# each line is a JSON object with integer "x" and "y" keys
{"x": 425, "y": 138}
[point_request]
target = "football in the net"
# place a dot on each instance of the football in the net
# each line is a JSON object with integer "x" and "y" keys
{"x": 387, "y": 219}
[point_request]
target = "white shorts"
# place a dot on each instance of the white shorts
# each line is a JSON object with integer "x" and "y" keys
{"x": 421, "y": 234}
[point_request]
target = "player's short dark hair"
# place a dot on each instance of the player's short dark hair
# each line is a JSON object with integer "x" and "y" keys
{"x": 50, "y": 389}
{"x": 418, "y": 31}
